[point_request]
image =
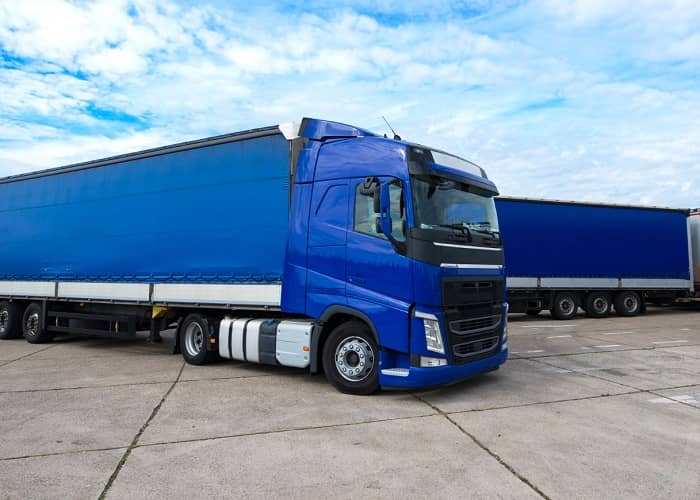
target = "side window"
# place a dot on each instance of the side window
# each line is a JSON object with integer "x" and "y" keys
{"x": 397, "y": 211}
{"x": 365, "y": 217}
{"x": 365, "y": 220}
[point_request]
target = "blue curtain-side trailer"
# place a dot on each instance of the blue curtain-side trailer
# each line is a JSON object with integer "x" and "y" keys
{"x": 318, "y": 245}
{"x": 562, "y": 256}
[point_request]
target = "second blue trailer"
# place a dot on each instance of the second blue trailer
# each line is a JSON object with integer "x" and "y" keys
{"x": 563, "y": 256}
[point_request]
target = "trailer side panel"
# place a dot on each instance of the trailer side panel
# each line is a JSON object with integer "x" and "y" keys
{"x": 171, "y": 218}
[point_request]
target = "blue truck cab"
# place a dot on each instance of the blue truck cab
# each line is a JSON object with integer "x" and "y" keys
{"x": 319, "y": 245}
{"x": 404, "y": 239}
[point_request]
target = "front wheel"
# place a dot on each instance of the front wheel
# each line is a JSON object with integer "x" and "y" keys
{"x": 351, "y": 359}
{"x": 195, "y": 333}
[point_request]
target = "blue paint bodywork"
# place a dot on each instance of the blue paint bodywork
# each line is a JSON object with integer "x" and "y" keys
{"x": 225, "y": 213}
{"x": 552, "y": 239}
{"x": 213, "y": 214}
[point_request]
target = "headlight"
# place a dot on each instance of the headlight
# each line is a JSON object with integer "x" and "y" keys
{"x": 433, "y": 337}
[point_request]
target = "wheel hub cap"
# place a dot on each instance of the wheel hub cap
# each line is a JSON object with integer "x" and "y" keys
{"x": 194, "y": 339}
{"x": 4, "y": 320}
{"x": 33, "y": 324}
{"x": 354, "y": 359}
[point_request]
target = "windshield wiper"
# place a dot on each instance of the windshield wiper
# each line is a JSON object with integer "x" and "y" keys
{"x": 458, "y": 226}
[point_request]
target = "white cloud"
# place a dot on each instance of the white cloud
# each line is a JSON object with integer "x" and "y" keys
{"x": 582, "y": 99}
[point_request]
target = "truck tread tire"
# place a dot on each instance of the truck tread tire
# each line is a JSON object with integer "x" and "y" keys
{"x": 597, "y": 304}
{"x": 351, "y": 359}
{"x": 533, "y": 312}
{"x": 31, "y": 325}
{"x": 10, "y": 320}
{"x": 195, "y": 332}
{"x": 628, "y": 303}
{"x": 564, "y": 306}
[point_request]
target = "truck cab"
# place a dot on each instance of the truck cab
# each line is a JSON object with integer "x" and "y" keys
{"x": 398, "y": 250}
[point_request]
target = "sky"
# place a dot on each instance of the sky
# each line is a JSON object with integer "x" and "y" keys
{"x": 591, "y": 100}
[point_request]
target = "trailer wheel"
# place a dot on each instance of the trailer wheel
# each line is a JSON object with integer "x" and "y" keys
{"x": 351, "y": 359}
{"x": 565, "y": 305}
{"x": 628, "y": 303}
{"x": 195, "y": 333}
{"x": 597, "y": 305}
{"x": 10, "y": 320}
{"x": 533, "y": 311}
{"x": 31, "y": 325}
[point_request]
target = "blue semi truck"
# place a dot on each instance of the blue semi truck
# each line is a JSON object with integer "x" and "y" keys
{"x": 318, "y": 245}
{"x": 562, "y": 256}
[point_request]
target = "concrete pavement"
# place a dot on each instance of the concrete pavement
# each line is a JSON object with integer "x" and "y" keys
{"x": 584, "y": 409}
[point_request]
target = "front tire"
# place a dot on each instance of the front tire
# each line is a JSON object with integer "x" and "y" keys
{"x": 351, "y": 359}
{"x": 10, "y": 320}
{"x": 564, "y": 306}
{"x": 32, "y": 328}
{"x": 195, "y": 333}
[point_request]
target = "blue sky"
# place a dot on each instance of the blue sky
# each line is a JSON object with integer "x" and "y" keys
{"x": 586, "y": 99}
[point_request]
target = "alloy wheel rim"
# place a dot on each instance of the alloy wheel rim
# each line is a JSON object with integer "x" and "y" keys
{"x": 354, "y": 359}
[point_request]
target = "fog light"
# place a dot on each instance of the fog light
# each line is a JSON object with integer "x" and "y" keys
{"x": 428, "y": 362}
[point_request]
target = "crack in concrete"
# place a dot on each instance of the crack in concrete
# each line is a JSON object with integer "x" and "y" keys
{"x": 493, "y": 454}
{"x": 632, "y": 348}
{"x": 138, "y": 435}
{"x": 61, "y": 453}
{"x": 127, "y": 384}
{"x": 283, "y": 431}
{"x": 7, "y": 362}
{"x": 436, "y": 411}
{"x": 589, "y": 374}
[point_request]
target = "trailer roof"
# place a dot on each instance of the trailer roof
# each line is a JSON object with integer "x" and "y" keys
{"x": 594, "y": 204}
{"x": 146, "y": 153}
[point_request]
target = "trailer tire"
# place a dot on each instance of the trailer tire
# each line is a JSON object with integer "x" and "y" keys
{"x": 32, "y": 329}
{"x": 628, "y": 303}
{"x": 533, "y": 311}
{"x": 597, "y": 305}
{"x": 196, "y": 330}
{"x": 10, "y": 320}
{"x": 351, "y": 359}
{"x": 564, "y": 305}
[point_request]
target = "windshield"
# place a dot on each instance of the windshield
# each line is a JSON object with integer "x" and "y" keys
{"x": 452, "y": 206}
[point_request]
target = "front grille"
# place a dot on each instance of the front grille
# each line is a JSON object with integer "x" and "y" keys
{"x": 473, "y": 312}
{"x": 475, "y": 347}
{"x": 475, "y": 325}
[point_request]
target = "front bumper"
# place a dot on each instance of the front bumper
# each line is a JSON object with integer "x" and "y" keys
{"x": 415, "y": 377}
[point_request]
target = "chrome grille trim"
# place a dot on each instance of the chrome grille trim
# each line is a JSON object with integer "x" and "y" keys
{"x": 482, "y": 324}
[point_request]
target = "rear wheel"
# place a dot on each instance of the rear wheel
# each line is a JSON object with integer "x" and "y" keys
{"x": 195, "y": 333}
{"x": 628, "y": 303}
{"x": 10, "y": 320}
{"x": 597, "y": 304}
{"x": 565, "y": 305}
{"x": 32, "y": 329}
{"x": 351, "y": 359}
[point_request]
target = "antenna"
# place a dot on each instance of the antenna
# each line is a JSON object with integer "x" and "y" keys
{"x": 397, "y": 137}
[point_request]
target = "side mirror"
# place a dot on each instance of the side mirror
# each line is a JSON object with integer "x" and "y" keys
{"x": 384, "y": 210}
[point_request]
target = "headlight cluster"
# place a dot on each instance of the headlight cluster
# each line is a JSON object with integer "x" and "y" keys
{"x": 431, "y": 327}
